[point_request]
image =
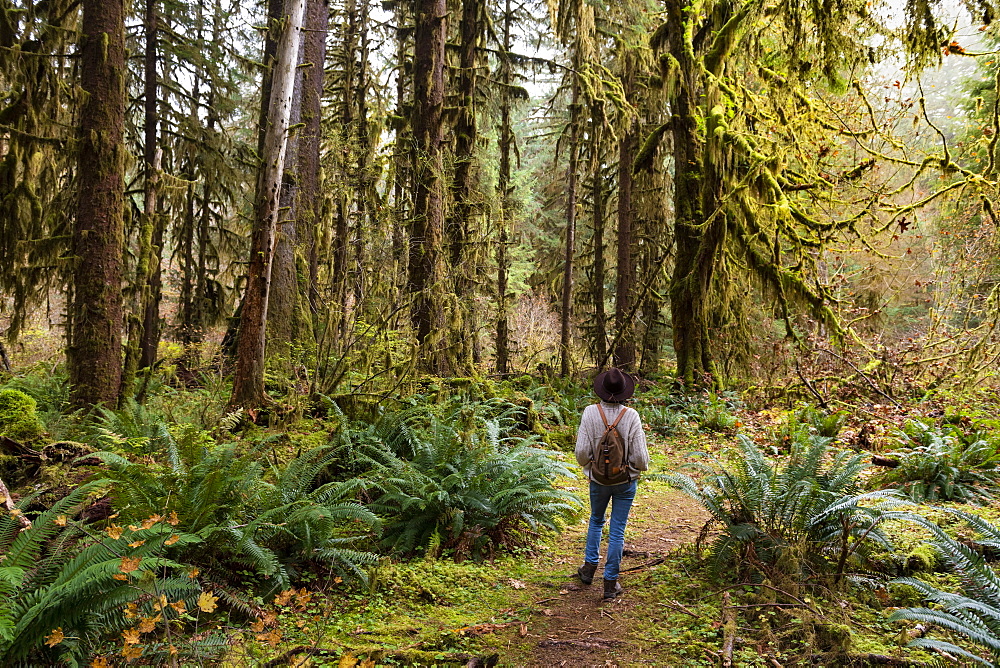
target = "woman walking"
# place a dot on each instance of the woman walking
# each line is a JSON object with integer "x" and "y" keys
{"x": 611, "y": 447}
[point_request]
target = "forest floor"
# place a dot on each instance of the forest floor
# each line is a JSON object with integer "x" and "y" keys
{"x": 574, "y": 627}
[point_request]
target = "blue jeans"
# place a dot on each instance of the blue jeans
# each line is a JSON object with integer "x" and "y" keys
{"x": 621, "y": 497}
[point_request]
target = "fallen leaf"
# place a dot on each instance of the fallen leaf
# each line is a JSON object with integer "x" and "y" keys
{"x": 523, "y": 631}
{"x": 129, "y": 564}
{"x": 207, "y": 602}
{"x": 516, "y": 584}
{"x": 131, "y": 636}
{"x": 55, "y": 637}
{"x": 60, "y": 521}
{"x": 131, "y": 652}
{"x": 173, "y": 539}
{"x": 100, "y": 662}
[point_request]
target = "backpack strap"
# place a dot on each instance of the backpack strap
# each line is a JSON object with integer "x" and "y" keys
{"x": 605, "y": 418}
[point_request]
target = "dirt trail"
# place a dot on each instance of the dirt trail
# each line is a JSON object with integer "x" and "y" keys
{"x": 572, "y": 626}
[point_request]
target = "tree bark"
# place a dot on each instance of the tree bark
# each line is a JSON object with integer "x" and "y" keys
{"x": 504, "y": 191}
{"x": 309, "y": 199}
{"x": 466, "y": 179}
{"x": 248, "y": 379}
{"x": 600, "y": 324}
{"x": 151, "y": 299}
{"x": 570, "y": 249}
{"x": 697, "y": 241}
{"x": 94, "y": 354}
{"x": 426, "y": 261}
{"x": 624, "y": 354}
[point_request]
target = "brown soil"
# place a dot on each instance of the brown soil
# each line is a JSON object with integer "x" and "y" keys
{"x": 572, "y": 626}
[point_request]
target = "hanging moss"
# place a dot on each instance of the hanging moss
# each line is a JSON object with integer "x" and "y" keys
{"x": 18, "y": 420}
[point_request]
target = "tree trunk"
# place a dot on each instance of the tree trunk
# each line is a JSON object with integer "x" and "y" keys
{"x": 464, "y": 185}
{"x": 94, "y": 354}
{"x": 151, "y": 299}
{"x": 504, "y": 191}
{"x": 309, "y": 200}
{"x": 567, "y": 288}
{"x": 600, "y": 324}
{"x": 696, "y": 240}
{"x": 248, "y": 380}
{"x": 624, "y": 354}
{"x": 426, "y": 283}
{"x": 283, "y": 305}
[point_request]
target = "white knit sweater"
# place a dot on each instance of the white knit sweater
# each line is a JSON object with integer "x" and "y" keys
{"x": 630, "y": 427}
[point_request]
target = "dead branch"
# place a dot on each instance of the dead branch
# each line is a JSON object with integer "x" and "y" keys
{"x": 728, "y": 631}
{"x": 9, "y": 504}
{"x": 649, "y": 564}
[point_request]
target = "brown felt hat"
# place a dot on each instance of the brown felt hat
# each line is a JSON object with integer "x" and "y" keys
{"x": 614, "y": 386}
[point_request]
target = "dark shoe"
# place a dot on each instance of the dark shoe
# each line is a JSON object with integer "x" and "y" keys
{"x": 586, "y": 573}
{"x": 612, "y": 589}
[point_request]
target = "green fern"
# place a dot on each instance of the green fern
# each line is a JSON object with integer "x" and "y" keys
{"x": 945, "y": 464}
{"x": 974, "y": 613}
{"x": 811, "y": 506}
{"x": 54, "y": 576}
{"x": 244, "y": 520}
{"x": 464, "y": 483}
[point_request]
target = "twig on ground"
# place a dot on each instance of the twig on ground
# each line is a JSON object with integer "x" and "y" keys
{"x": 9, "y": 504}
{"x": 649, "y": 564}
{"x": 674, "y": 605}
{"x": 728, "y": 631}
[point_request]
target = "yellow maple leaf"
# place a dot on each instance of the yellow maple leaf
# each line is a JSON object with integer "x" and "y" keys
{"x": 173, "y": 651}
{"x": 173, "y": 519}
{"x": 114, "y": 531}
{"x": 131, "y": 636}
{"x": 207, "y": 602}
{"x": 368, "y": 663}
{"x": 14, "y": 512}
{"x": 60, "y": 521}
{"x": 100, "y": 662}
{"x": 131, "y": 610}
{"x": 193, "y": 573}
{"x": 173, "y": 539}
{"x": 131, "y": 652}
{"x": 150, "y": 521}
{"x": 137, "y": 543}
{"x": 129, "y": 564}
{"x": 303, "y": 597}
{"x": 284, "y": 597}
{"x": 347, "y": 661}
{"x": 160, "y": 603}
{"x": 147, "y": 624}
{"x": 257, "y": 626}
{"x": 179, "y": 607}
{"x": 55, "y": 637}
{"x": 120, "y": 576}
{"x": 270, "y": 617}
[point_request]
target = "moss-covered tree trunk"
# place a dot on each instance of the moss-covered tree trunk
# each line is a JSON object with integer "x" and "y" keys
{"x": 309, "y": 202}
{"x": 94, "y": 354}
{"x": 624, "y": 353}
{"x": 566, "y": 317}
{"x": 248, "y": 379}
{"x": 504, "y": 193}
{"x": 426, "y": 262}
{"x": 598, "y": 194}
{"x": 698, "y": 231}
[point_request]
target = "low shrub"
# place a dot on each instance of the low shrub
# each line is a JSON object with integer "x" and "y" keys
{"x": 248, "y": 517}
{"x": 67, "y": 588}
{"x": 974, "y": 613}
{"x": 802, "y": 518}
{"x": 945, "y": 464}
{"x": 458, "y": 485}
